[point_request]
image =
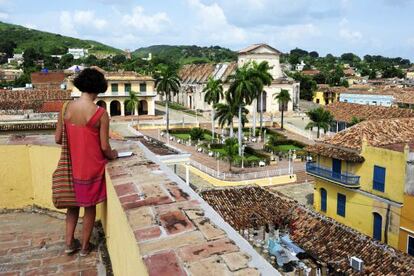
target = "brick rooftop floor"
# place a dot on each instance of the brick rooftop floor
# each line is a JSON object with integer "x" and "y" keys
{"x": 33, "y": 244}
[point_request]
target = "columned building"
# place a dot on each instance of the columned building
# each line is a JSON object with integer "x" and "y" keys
{"x": 120, "y": 84}
{"x": 194, "y": 78}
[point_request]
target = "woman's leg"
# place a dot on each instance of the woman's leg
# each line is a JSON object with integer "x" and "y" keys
{"x": 72, "y": 215}
{"x": 88, "y": 222}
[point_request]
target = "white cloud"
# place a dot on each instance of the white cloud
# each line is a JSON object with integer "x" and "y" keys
{"x": 70, "y": 22}
{"x": 146, "y": 23}
{"x": 30, "y": 26}
{"x": 3, "y": 15}
{"x": 67, "y": 25}
{"x": 212, "y": 24}
{"x": 88, "y": 18}
{"x": 347, "y": 33}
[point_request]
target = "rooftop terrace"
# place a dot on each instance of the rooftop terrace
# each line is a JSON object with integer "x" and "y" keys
{"x": 154, "y": 223}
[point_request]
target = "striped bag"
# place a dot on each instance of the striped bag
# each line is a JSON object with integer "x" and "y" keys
{"x": 63, "y": 193}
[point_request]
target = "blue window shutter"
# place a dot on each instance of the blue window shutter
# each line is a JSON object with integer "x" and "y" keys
{"x": 323, "y": 199}
{"x": 410, "y": 249}
{"x": 379, "y": 179}
{"x": 341, "y": 205}
{"x": 377, "y": 227}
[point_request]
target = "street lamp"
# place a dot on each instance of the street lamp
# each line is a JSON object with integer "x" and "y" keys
{"x": 218, "y": 163}
{"x": 289, "y": 153}
{"x": 242, "y": 156}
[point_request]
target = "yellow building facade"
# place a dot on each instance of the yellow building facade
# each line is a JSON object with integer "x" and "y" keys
{"x": 406, "y": 240}
{"x": 116, "y": 97}
{"x": 364, "y": 179}
{"x": 324, "y": 97}
{"x": 367, "y": 208}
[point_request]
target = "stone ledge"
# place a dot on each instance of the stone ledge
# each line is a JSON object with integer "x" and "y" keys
{"x": 172, "y": 232}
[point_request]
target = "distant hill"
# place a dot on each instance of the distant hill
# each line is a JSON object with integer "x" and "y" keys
{"x": 188, "y": 54}
{"x": 49, "y": 42}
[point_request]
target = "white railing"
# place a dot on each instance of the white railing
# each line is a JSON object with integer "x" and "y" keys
{"x": 242, "y": 176}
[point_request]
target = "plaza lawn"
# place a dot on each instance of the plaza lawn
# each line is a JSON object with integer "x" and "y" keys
{"x": 186, "y": 136}
{"x": 286, "y": 148}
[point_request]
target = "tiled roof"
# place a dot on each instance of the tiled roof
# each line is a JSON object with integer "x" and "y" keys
{"x": 31, "y": 99}
{"x": 343, "y": 112}
{"x": 347, "y": 144}
{"x": 333, "y": 89}
{"x": 324, "y": 239}
{"x": 401, "y": 95}
{"x": 335, "y": 152}
{"x": 47, "y": 78}
{"x": 130, "y": 75}
{"x": 199, "y": 73}
{"x": 311, "y": 72}
{"x": 255, "y": 46}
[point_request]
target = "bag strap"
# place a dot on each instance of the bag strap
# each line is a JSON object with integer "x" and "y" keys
{"x": 65, "y": 105}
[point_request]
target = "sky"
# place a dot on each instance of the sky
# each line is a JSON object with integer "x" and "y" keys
{"x": 382, "y": 27}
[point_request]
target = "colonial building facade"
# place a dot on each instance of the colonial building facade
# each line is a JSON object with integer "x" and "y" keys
{"x": 194, "y": 78}
{"x": 115, "y": 99}
{"x": 364, "y": 179}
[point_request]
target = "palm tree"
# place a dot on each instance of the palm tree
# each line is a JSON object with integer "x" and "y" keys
{"x": 261, "y": 72}
{"x": 230, "y": 150}
{"x": 214, "y": 92}
{"x": 225, "y": 112}
{"x": 320, "y": 118}
{"x": 243, "y": 88}
{"x": 132, "y": 103}
{"x": 167, "y": 84}
{"x": 283, "y": 97}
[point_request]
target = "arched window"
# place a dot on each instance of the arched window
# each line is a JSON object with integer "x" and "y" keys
{"x": 115, "y": 108}
{"x": 323, "y": 200}
{"x": 377, "y": 231}
{"x": 143, "y": 107}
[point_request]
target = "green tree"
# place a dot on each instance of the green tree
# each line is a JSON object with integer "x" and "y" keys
{"x": 196, "y": 133}
{"x": 225, "y": 113}
{"x": 307, "y": 86}
{"x": 91, "y": 60}
{"x": 7, "y": 47}
{"x": 132, "y": 103}
{"x": 261, "y": 73}
{"x": 30, "y": 56}
{"x": 118, "y": 59}
{"x": 354, "y": 120}
{"x": 214, "y": 93}
{"x": 230, "y": 150}
{"x": 167, "y": 84}
{"x": 320, "y": 118}
{"x": 66, "y": 61}
{"x": 242, "y": 90}
{"x": 283, "y": 98}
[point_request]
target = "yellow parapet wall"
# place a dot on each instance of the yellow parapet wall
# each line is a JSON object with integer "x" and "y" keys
{"x": 26, "y": 180}
{"x": 120, "y": 240}
{"x": 268, "y": 181}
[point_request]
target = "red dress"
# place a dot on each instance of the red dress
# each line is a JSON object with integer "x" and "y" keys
{"x": 88, "y": 161}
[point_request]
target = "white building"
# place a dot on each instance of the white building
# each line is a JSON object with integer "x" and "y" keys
{"x": 18, "y": 58}
{"x": 78, "y": 53}
{"x": 194, "y": 78}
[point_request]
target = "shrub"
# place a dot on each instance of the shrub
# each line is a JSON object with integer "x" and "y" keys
{"x": 196, "y": 133}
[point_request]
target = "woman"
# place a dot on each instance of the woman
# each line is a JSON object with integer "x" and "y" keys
{"x": 87, "y": 128}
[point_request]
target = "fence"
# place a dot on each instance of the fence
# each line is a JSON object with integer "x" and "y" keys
{"x": 242, "y": 176}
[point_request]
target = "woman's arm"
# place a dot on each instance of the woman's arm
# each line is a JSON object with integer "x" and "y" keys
{"x": 104, "y": 135}
{"x": 59, "y": 126}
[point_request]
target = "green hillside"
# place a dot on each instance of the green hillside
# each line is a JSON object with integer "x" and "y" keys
{"x": 188, "y": 54}
{"x": 50, "y": 43}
